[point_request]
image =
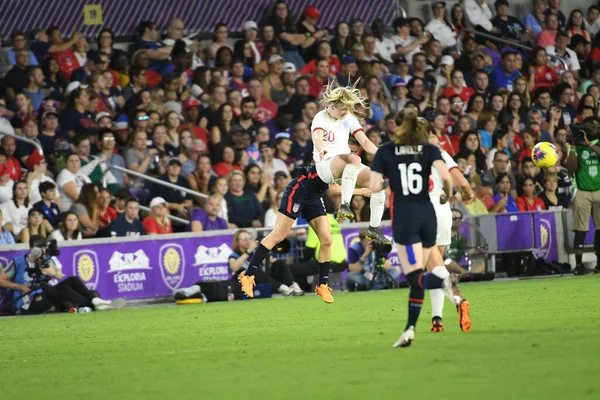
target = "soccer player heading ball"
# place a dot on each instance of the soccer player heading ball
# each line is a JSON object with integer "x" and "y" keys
{"x": 407, "y": 162}
{"x": 331, "y": 129}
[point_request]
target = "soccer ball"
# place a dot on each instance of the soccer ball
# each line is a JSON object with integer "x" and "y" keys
{"x": 544, "y": 155}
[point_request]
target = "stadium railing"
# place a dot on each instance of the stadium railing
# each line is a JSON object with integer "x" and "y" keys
{"x": 153, "y": 180}
{"x": 506, "y": 42}
{"x": 23, "y": 139}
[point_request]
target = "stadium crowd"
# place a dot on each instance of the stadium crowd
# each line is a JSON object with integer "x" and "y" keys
{"x": 232, "y": 119}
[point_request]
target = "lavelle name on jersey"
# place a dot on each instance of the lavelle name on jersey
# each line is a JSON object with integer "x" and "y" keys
{"x": 408, "y": 150}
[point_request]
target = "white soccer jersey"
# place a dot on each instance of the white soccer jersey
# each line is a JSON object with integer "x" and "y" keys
{"x": 436, "y": 186}
{"x": 336, "y": 133}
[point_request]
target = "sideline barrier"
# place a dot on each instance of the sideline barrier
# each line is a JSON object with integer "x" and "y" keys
{"x": 155, "y": 266}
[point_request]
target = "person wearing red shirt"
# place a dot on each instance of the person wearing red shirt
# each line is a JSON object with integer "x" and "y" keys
{"x": 191, "y": 113}
{"x": 106, "y": 214}
{"x": 529, "y": 140}
{"x": 438, "y": 122}
{"x": 157, "y": 223}
{"x": 318, "y": 81}
{"x": 226, "y": 165}
{"x": 457, "y": 86}
{"x": 527, "y": 201}
{"x": 12, "y": 166}
{"x": 265, "y": 109}
{"x": 323, "y": 51}
{"x": 540, "y": 73}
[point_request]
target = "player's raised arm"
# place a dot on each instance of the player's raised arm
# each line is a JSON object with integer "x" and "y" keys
{"x": 365, "y": 142}
{"x": 440, "y": 165}
{"x": 317, "y": 137}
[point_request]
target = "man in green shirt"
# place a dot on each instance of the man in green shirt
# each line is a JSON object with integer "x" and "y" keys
{"x": 584, "y": 163}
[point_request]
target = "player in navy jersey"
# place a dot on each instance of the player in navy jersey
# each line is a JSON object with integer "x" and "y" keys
{"x": 407, "y": 163}
{"x": 302, "y": 196}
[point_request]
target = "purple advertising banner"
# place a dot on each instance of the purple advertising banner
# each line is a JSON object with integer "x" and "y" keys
{"x": 546, "y": 237}
{"x": 145, "y": 268}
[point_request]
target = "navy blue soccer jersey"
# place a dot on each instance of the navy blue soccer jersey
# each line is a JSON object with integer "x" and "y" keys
{"x": 407, "y": 169}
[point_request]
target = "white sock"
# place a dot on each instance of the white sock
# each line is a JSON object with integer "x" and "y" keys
{"x": 349, "y": 182}
{"x": 189, "y": 291}
{"x": 437, "y": 302}
{"x": 443, "y": 273}
{"x": 377, "y": 208}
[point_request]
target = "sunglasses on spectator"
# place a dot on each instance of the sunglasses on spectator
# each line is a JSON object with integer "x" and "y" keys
{"x": 143, "y": 118}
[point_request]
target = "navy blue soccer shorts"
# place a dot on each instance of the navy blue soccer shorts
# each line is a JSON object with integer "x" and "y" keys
{"x": 303, "y": 196}
{"x": 414, "y": 222}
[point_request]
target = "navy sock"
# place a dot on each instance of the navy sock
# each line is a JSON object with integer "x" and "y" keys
{"x": 424, "y": 280}
{"x": 597, "y": 244}
{"x": 260, "y": 254}
{"x": 324, "y": 268}
{"x": 415, "y": 302}
{"x": 578, "y": 259}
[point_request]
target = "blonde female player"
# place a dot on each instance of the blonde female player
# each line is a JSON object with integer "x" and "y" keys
{"x": 331, "y": 128}
{"x": 443, "y": 214}
{"x": 407, "y": 162}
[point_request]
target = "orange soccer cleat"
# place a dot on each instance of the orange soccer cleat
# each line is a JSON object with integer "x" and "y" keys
{"x": 463, "y": 315}
{"x": 247, "y": 283}
{"x": 324, "y": 291}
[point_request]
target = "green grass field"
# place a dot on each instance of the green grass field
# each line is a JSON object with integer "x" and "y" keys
{"x": 534, "y": 339}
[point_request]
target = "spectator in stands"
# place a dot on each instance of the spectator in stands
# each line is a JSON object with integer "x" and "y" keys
{"x": 407, "y": 45}
{"x": 541, "y": 75}
{"x": 552, "y": 199}
{"x": 527, "y": 201}
{"x": 16, "y": 79}
{"x": 87, "y": 209}
{"x": 70, "y": 181}
{"x": 106, "y": 214}
{"x": 272, "y": 85}
{"x": 439, "y": 27}
{"x": 341, "y": 43}
{"x": 137, "y": 82}
{"x": 479, "y": 205}
{"x": 500, "y": 166}
{"x": 68, "y": 228}
{"x": 291, "y": 40}
{"x": 203, "y": 177}
{"x": 302, "y": 145}
{"x": 508, "y": 26}
{"x": 54, "y": 81}
{"x": 158, "y": 223}
{"x": 470, "y": 143}
{"x": 547, "y": 36}
{"x": 486, "y": 126}
{"x": 34, "y": 90}
{"x": 505, "y": 74}
{"x": 157, "y": 54}
{"x": 499, "y": 144}
{"x": 534, "y": 20}
{"x": 226, "y": 165}
{"x": 590, "y": 23}
{"x": 114, "y": 179}
{"x": 19, "y": 42}
{"x": 37, "y": 174}
{"x": 554, "y": 9}
{"x": 76, "y": 118}
{"x": 16, "y": 211}
{"x": 36, "y": 225}
{"x": 207, "y": 219}
{"x": 243, "y": 206}
{"x": 260, "y": 184}
{"x": 480, "y": 15}
{"x": 47, "y": 205}
{"x": 121, "y": 198}
{"x": 269, "y": 163}
{"x": 565, "y": 54}
{"x": 307, "y": 27}
{"x": 177, "y": 201}
{"x": 128, "y": 223}
{"x": 94, "y": 61}
{"x": 504, "y": 200}
{"x": 220, "y": 40}
{"x": 105, "y": 41}
{"x": 222, "y": 126}
{"x": 6, "y": 237}
{"x": 12, "y": 166}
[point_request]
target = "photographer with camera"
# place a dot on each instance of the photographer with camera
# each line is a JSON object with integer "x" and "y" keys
{"x": 584, "y": 163}
{"x": 368, "y": 267}
{"x": 29, "y": 276}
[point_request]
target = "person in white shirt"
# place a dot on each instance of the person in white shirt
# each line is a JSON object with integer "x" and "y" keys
{"x": 269, "y": 163}
{"x": 69, "y": 182}
{"x": 36, "y": 164}
{"x": 565, "y": 54}
{"x": 175, "y": 31}
{"x": 407, "y": 45}
{"x": 443, "y": 213}
{"x": 331, "y": 128}
{"x": 479, "y": 14}
{"x": 592, "y": 22}
{"x": 16, "y": 211}
{"x": 439, "y": 28}
{"x": 385, "y": 48}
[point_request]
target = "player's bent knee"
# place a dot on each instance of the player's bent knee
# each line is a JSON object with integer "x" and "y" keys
{"x": 325, "y": 240}
{"x": 440, "y": 272}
